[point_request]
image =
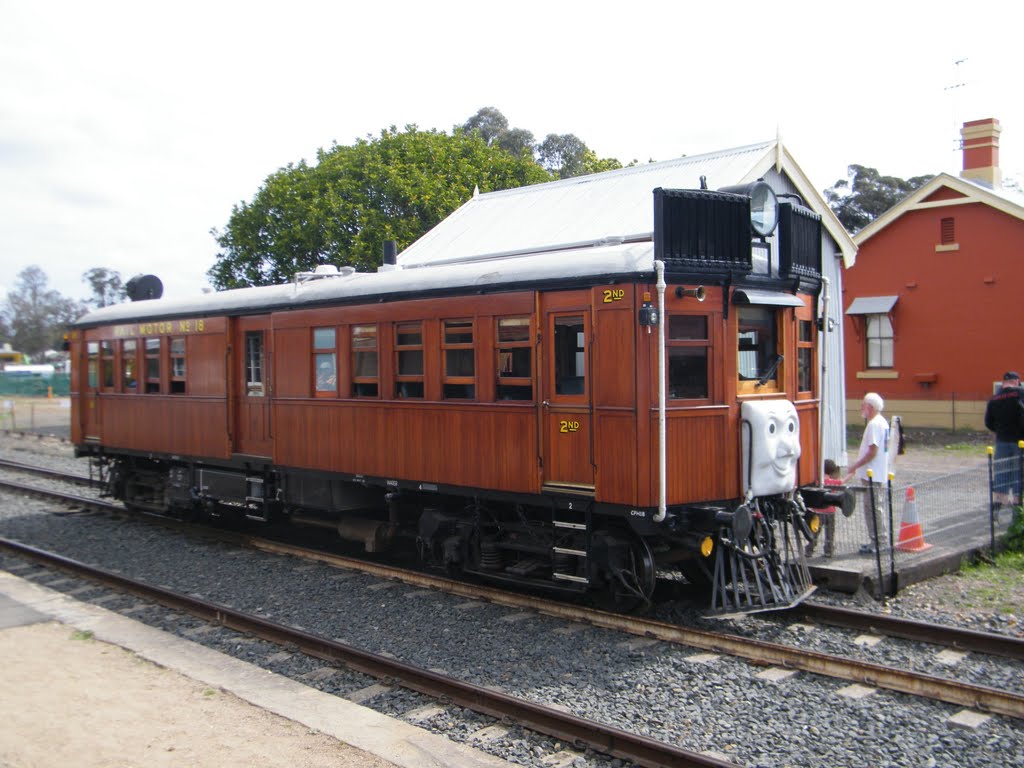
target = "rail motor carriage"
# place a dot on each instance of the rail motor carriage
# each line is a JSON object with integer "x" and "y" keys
{"x": 583, "y": 420}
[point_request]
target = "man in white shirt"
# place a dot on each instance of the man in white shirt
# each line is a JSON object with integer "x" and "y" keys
{"x": 873, "y": 455}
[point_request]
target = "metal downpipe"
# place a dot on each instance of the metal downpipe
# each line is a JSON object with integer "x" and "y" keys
{"x": 659, "y": 268}
{"x": 823, "y": 355}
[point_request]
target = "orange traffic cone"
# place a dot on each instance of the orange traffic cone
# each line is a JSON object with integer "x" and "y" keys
{"x": 911, "y": 534}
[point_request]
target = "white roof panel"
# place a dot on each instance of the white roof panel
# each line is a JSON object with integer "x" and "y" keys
{"x": 608, "y": 206}
{"x": 499, "y": 273}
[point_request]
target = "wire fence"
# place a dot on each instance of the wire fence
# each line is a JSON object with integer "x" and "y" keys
{"x": 957, "y": 510}
{"x": 32, "y": 414}
{"x": 20, "y": 385}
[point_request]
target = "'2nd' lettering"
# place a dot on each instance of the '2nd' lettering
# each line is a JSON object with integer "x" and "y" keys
{"x": 569, "y": 426}
{"x": 614, "y": 294}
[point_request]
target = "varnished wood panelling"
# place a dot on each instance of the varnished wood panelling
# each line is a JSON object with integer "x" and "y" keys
{"x": 808, "y": 468}
{"x": 470, "y": 446}
{"x": 420, "y": 309}
{"x": 615, "y": 447}
{"x": 293, "y": 363}
{"x": 207, "y": 365}
{"x": 615, "y": 356}
{"x": 568, "y": 455}
{"x": 702, "y": 456}
{"x": 186, "y": 426}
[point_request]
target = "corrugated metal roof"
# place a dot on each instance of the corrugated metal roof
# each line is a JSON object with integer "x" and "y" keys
{"x": 872, "y": 305}
{"x": 609, "y": 206}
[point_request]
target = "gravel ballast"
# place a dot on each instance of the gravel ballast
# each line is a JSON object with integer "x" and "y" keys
{"x": 666, "y": 692}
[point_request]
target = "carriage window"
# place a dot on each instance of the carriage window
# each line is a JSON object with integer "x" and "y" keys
{"x": 94, "y": 364}
{"x": 254, "y": 363}
{"x": 364, "y": 360}
{"x": 515, "y": 356}
{"x": 688, "y": 347}
{"x": 805, "y": 356}
{"x": 459, "y": 360}
{"x": 152, "y": 365}
{"x": 129, "y": 365}
{"x": 409, "y": 360}
{"x": 758, "y": 359}
{"x": 107, "y": 365}
{"x": 177, "y": 366}
{"x": 325, "y": 361}
{"x": 570, "y": 356}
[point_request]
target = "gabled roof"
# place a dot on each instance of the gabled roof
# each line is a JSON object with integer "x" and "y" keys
{"x": 603, "y": 208}
{"x": 969, "y": 191}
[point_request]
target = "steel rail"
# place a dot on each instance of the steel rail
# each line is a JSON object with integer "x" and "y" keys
{"x": 756, "y": 651}
{"x": 55, "y": 474}
{"x": 911, "y": 629}
{"x": 549, "y": 721}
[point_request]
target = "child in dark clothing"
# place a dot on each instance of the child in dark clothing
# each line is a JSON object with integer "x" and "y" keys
{"x": 827, "y": 515}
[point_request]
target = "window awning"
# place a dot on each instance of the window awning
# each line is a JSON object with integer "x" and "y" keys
{"x": 872, "y": 305}
{"x": 772, "y": 298}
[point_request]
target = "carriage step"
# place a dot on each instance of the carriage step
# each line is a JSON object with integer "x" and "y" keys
{"x": 566, "y": 551}
{"x": 570, "y": 577}
{"x": 567, "y": 524}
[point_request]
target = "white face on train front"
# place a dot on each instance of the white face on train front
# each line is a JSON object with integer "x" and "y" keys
{"x": 771, "y": 446}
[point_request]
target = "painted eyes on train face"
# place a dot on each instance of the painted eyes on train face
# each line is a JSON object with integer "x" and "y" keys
{"x": 788, "y": 427}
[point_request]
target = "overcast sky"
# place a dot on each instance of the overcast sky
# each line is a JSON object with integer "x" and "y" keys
{"x": 129, "y": 129}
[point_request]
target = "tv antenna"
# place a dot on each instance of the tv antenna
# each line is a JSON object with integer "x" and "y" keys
{"x": 953, "y": 90}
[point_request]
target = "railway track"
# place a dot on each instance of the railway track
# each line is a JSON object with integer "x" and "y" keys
{"x": 755, "y": 651}
{"x": 552, "y": 722}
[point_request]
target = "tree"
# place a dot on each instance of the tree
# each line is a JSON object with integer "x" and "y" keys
{"x": 340, "y": 210}
{"x": 865, "y": 195}
{"x": 36, "y": 316}
{"x": 566, "y": 156}
{"x": 490, "y": 123}
{"x": 493, "y": 128}
{"x": 516, "y": 141}
{"x": 107, "y": 287}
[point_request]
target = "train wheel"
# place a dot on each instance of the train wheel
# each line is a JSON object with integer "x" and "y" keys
{"x": 630, "y": 578}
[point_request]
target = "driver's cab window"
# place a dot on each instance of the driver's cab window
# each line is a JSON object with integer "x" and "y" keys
{"x": 759, "y": 360}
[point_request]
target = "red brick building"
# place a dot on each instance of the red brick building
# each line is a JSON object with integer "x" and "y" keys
{"x": 932, "y": 306}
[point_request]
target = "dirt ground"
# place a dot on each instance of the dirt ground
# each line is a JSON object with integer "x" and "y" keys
{"x": 66, "y": 699}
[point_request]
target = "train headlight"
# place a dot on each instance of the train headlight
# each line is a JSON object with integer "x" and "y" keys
{"x": 764, "y": 206}
{"x": 707, "y": 546}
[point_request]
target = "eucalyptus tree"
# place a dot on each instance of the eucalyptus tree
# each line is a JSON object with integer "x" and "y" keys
{"x": 866, "y": 194}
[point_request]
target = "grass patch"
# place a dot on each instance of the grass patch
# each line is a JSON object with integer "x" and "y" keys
{"x": 998, "y": 586}
{"x": 82, "y": 634}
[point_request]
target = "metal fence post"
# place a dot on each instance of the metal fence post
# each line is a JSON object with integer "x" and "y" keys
{"x": 991, "y": 500}
{"x": 892, "y": 543}
{"x": 1018, "y": 488}
{"x": 874, "y": 531}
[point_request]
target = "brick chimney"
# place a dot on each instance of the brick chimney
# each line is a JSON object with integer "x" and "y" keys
{"x": 981, "y": 152}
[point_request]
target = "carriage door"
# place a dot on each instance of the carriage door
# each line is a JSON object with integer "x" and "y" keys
{"x": 253, "y": 390}
{"x": 568, "y": 456}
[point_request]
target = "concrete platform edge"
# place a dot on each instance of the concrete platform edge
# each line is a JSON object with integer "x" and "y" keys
{"x": 390, "y": 739}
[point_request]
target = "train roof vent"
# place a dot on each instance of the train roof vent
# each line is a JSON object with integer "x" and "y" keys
{"x": 323, "y": 271}
{"x": 144, "y": 287}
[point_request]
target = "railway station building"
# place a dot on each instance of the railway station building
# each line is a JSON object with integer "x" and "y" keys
{"x": 929, "y": 307}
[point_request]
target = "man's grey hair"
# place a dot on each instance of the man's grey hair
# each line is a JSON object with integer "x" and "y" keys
{"x": 875, "y": 401}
